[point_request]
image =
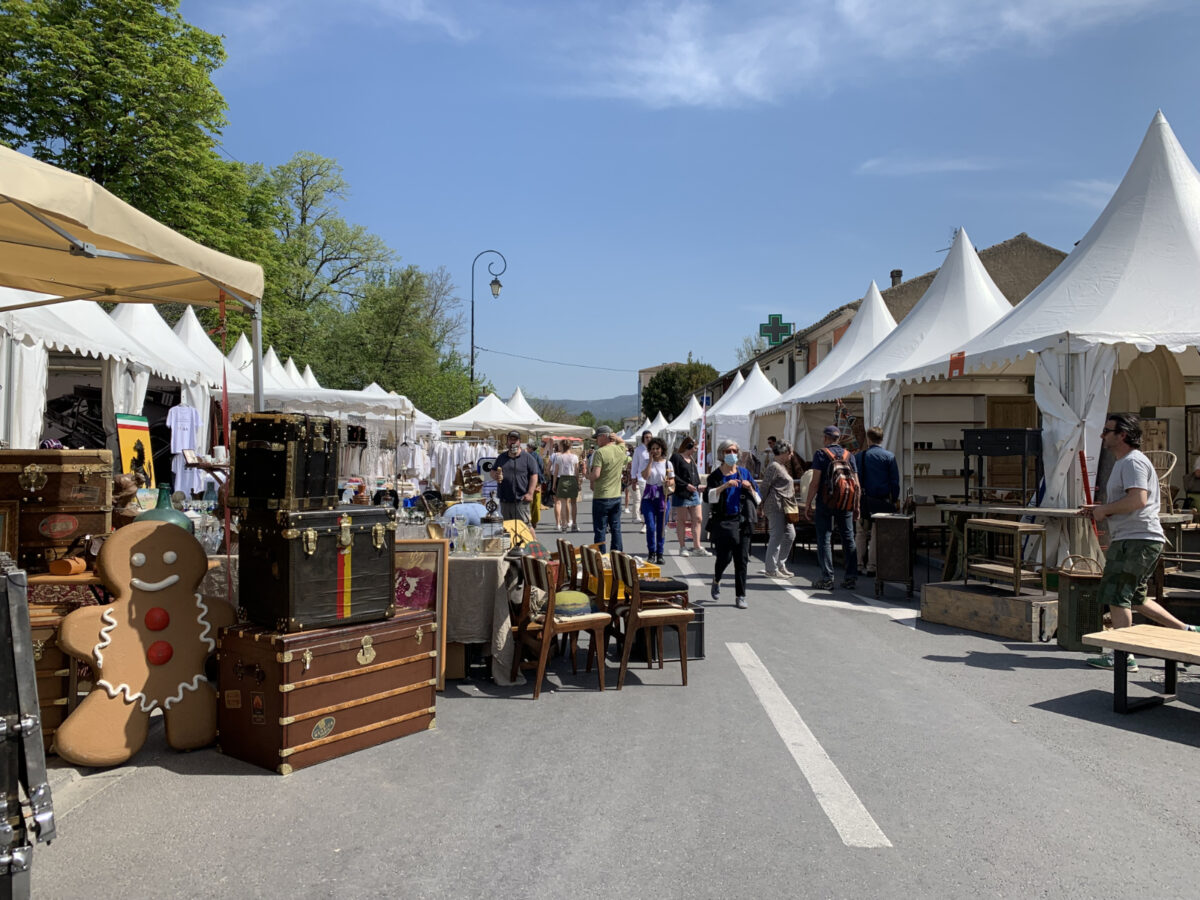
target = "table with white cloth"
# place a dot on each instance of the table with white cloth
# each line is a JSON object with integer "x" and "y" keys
{"x": 477, "y": 610}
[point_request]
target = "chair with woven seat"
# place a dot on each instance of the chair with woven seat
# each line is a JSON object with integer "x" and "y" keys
{"x": 564, "y": 612}
{"x": 1164, "y": 463}
{"x": 638, "y": 614}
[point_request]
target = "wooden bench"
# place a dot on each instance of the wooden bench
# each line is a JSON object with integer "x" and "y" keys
{"x": 1168, "y": 644}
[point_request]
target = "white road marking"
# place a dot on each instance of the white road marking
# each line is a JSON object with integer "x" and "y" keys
{"x": 905, "y": 615}
{"x": 847, "y": 813}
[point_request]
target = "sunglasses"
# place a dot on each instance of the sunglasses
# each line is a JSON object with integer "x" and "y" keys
{"x": 1110, "y": 431}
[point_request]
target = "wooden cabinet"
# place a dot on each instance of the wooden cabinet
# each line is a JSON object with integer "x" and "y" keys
{"x": 932, "y": 448}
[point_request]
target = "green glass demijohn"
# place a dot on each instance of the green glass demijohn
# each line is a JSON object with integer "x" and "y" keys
{"x": 165, "y": 511}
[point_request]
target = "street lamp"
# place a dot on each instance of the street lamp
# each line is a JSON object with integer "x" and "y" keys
{"x": 495, "y": 293}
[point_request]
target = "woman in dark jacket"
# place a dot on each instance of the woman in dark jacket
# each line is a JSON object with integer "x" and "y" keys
{"x": 733, "y": 500}
{"x": 687, "y": 497}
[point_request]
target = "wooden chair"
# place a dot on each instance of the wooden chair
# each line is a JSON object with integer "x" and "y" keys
{"x": 536, "y": 631}
{"x": 591, "y": 582}
{"x": 571, "y": 578}
{"x": 638, "y": 615}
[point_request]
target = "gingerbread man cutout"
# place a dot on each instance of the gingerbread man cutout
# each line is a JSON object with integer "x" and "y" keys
{"x": 148, "y": 648}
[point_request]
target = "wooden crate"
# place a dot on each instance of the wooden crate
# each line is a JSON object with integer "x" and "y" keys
{"x": 1029, "y": 616}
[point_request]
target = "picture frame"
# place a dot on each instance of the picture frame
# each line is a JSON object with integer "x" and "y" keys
{"x": 10, "y": 511}
{"x": 189, "y": 457}
{"x": 422, "y": 572}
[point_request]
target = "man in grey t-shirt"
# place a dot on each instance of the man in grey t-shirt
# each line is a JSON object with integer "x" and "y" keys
{"x": 1136, "y": 533}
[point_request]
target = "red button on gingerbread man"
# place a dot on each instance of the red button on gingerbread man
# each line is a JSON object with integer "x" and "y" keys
{"x": 148, "y": 648}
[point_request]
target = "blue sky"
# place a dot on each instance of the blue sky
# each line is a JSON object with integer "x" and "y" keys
{"x": 662, "y": 176}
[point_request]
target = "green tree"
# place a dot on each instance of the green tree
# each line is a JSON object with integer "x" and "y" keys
{"x": 668, "y": 390}
{"x": 587, "y": 417}
{"x": 551, "y": 412}
{"x": 120, "y": 91}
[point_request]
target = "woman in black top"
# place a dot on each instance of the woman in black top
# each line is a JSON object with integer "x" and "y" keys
{"x": 686, "y": 499}
{"x": 733, "y": 500}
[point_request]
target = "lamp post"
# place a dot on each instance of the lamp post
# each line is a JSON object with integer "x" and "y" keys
{"x": 495, "y": 293}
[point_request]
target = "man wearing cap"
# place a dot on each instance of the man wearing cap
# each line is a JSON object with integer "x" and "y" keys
{"x": 605, "y": 476}
{"x": 517, "y": 473}
{"x": 825, "y": 518}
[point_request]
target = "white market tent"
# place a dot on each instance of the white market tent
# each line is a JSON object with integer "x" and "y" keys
{"x": 488, "y": 412}
{"x": 732, "y": 420}
{"x": 961, "y": 302}
{"x": 737, "y": 382}
{"x": 293, "y": 374}
{"x": 193, "y": 335}
{"x": 683, "y": 422}
{"x": 310, "y": 380}
{"x": 1131, "y": 281}
{"x": 870, "y": 325}
{"x": 521, "y": 408}
{"x": 68, "y": 238}
{"x": 659, "y": 425}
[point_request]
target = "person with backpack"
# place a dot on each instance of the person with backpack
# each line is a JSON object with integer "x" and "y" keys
{"x": 835, "y": 493}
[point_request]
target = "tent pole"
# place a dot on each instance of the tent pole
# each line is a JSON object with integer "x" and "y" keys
{"x": 256, "y": 335}
{"x": 10, "y": 368}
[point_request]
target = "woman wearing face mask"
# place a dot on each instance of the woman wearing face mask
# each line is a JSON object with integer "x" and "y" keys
{"x": 733, "y": 500}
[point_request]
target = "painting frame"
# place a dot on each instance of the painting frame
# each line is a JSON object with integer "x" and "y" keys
{"x": 10, "y": 512}
{"x": 432, "y": 555}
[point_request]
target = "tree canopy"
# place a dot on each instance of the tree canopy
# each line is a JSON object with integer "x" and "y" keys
{"x": 668, "y": 390}
{"x": 121, "y": 91}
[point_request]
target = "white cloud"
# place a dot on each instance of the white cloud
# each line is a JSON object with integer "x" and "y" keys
{"x": 894, "y": 165}
{"x": 1091, "y": 193}
{"x": 696, "y": 53}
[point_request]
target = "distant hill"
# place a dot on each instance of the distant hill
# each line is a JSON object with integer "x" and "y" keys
{"x": 615, "y": 408}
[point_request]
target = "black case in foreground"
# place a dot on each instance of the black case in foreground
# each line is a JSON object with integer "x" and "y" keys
{"x": 284, "y": 461}
{"x": 317, "y": 569}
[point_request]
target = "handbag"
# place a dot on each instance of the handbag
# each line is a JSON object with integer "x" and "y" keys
{"x": 791, "y": 511}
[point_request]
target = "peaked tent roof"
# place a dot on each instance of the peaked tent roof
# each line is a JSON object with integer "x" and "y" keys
{"x": 309, "y": 378}
{"x": 738, "y": 381}
{"x": 521, "y": 408}
{"x": 487, "y": 412}
{"x": 643, "y": 428}
{"x": 78, "y": 326}
{"x": 870, "y": 325}
{"x": 754, "y": 392}
{"x": 143, "y": 320}
{"x": 1131, "y": 279}
{"x": 659, "y": 424}
{"x": 192, "y": 333}
{"x": 961, "y": 302}
{"x": 374, "y": 388}
{"x": 293, "y": 373}
{"x": 690, "y": 414}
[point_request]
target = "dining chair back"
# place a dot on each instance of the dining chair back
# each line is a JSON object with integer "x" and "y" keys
{"x": 639, "y": 615}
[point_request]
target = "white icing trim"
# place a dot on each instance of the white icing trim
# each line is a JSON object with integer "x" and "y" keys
{"x": 126, "y": 692}
{"x": 203, "y": 620}
{"x": 105, "y": 635}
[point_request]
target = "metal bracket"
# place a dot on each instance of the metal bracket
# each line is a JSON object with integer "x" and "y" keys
{"x": 378, "y": 535}
{"x": 309, "y": 541}
{"x": 367, "y": 654}
{"x": 32, "y": 478}
{"x": 345, "y": 538}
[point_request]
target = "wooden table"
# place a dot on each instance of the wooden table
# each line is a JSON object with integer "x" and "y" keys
{"x": 1011, "y": 570}
{"x": 1170, "y": 645}
{"x": 959, "y": 513}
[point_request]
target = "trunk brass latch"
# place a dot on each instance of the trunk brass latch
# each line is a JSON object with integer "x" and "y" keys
{"x": 345, "y": 539}
{"x": 378, "y": 532}
{"x": 367, "y": 654}
{"x": 309, "y": 541}
{"x": 307, "y": 658}
{"x": 420, "y": 634}
{"x": 33, "y": 478}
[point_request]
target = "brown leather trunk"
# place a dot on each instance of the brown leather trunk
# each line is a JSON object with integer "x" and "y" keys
{"x": 57, "y": 682}
{"x": 288, "y": 701}
{"x": 63, "y": 494}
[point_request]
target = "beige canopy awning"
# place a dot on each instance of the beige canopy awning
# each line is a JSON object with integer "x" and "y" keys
{"x": 64, "y": 235}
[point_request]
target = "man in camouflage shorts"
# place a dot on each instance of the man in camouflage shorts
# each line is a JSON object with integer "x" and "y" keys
{"x": 1136, "y": 534}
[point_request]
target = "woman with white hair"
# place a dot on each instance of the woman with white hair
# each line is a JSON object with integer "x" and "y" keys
{"x": 733, "y": 500}
{"x": 779, "y": 492}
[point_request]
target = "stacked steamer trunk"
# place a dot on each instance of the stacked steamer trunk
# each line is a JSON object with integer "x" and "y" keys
{"x": 327, "y": 667}
{"x": 62, "y": 495}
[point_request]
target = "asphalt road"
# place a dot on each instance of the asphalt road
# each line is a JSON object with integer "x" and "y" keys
{"x": 984, "y": 767}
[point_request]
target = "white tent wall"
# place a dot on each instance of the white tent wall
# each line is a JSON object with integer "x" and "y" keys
{"x": 25, "y": 364}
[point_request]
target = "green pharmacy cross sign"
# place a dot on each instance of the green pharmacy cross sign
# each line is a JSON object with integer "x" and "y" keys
{"x": 775, "y": 330}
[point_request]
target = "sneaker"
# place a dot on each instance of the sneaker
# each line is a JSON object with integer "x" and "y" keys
{"x": 823, "y": 584}
{"x": 1106, "y": 662}
{"x": 642, "y": 530}
{"x": 715, "y": 593}
{"x": 558, "y": 528}
{"x": 739, "y": 602}
{"x": 1193, "y": 628}
{"x": 784, "y": 573}
{"x": 849, "y": 583}
{"x": 700, "y": 551}
{"x": 769, "y": 573}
